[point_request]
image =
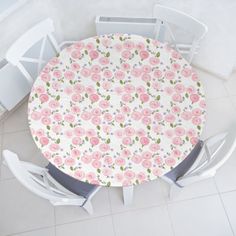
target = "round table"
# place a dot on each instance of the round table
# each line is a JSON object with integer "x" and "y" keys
{"x": 116, "y": 110}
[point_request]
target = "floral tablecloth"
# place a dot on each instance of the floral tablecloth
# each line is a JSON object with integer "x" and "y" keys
{"x": 117, "y": 110}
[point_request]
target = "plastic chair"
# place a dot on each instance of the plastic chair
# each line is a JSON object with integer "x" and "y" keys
{"x": 39, "y": 181}
{"x": 211, "y": 155}
{"x": 172, "y": 23}
{"x": 36, "y": 46}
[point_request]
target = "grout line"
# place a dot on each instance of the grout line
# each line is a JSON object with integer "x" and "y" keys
{"x": 223, "y": 205}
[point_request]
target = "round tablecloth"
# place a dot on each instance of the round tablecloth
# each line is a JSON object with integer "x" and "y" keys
{"x": 116, "y": 110}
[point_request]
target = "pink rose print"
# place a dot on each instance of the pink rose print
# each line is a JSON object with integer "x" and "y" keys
{"x": 76, "y": 54}
{"x": 144, "y": 97}
{"x": 93, "y": 97}
{"x": 95, "y": 69}
{"x": 75, "y": 66}
{"x": 158, "y": 73}
{"x": 104, "y": 104}
{"x": 125, "y": 66}
{"x": 186, "y": 72}
{"x": 136, "y": 72}
{"x": 104, "y": 147}
{"x": 126, "y": 54}
{"x": 170, "y": 161}
{"x": 126, "y": 141}
{"x": 143, "y": 55}
{"x": 76, "y": 141}
{"x": 96, "y": 120}
{"x": 119, "y": 75}
{"x": 94, "y": 141}
{"x": 96, "y": 77}
{"x": 69, "y": 75}
{"x": 129, "y": 174}
{"x": 120, "y": 161}
{"x": 194, "y": 97}
{"x": 129, "y": 45}
{"x": 129, "y": 131}
{"x": 44, "y": 141}
{"x": 86, "y": 115}
{"x": 179, "y": 131}
{"x": 144, "y": 141}
{"x": 136, "y": 115}
{"x": 107, "y": 74}
{"x": 136, "y": 159}
{"x": 79, "y": 174}
{"x": 104, "y": 61}
{"x": 154, "y": 61}
{"x": 78, "y": 131}
{"x": 93, "y": 54}
{"x": 85, "y": 72}
{"x": 43, "y": 98}
{"x": 119, "y": 118}
{"x": 169, "y": 75}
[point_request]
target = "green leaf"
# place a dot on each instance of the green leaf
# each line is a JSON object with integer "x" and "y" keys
{"x": 171, "y": 125}
{"x": 48, "y": 84}
{"x": 86, "y": 95}
{"x": 198, "y": 84}
{"x": 48, "y": 127}
{"x": 122, "y": 168}
{"x": 97, "y": 40}
{"x": 158, "y": 140}
{"x": 121, "y": 125}
{"x": 148, "y": 127}
{"x": 136, "y": 138}
{"x": 108, "y": 184}
{"x": 186, "y": 95}
{"x": 120, "y": 38}
{"x": 107, "y": 54}
{"x": 36, "y": 138}
{"x": 158, "y": 97}
{"x": 36, "y": 95}
{"x": 71, "y": 125}
{"x": 136, "y": 95}
{"x": 148, "y": 40}
{"x": 98, "y": 127}
{"x": 98, "y": 170}
{"x": 187, "y": 138}
{"x": 149, "y": 171}
{"x": 86, "y": 138}
{"x": 121, "y": 82}
{"x": 58, "y": 141}
{"x": 158, "y": 54}
{"x": 199, "y": 127}
{"x": 148, "y": 84}
{"x": 98, "y": 84}
{"x": 58, "y": 97}
{"x": 86, "y": 52}
{"x": 108, "y": 141}
{"x": 136, "y": 52}
{"x": 71, "y": 168}
{"x": 108, "y": 97}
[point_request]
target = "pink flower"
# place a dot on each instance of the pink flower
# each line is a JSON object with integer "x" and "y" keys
{"x": 93, "y": 54}
{"x": 194, "y": 140}
{"x": 75, "y": 153}
{"x": 176, "y": 109}
{"x": 90, "y": 176}
{"x": 104, "y": 61}
{"x": 196, "y": 120}
{"x": 96, "y": 112}
{"x": 95, "y": 69}
{"x": 197, "y": 112}
{"x": 108, "y": 117}
{"x": 107, "y": 74}
{"x": 176, "y": 153}
{"x": 195, "y": 77}
{"x": 154, "y": 147}
{"x": 170, "y": 118}
{"x": 69, "y": 161}
{"x": 35, "y": 115}
{"x": 136, "y": 115}
{"x": 136, "y": 159}
{"x": 186, "y": 72}
{"x": 45, "y": 77}
{"x": 39, "y": 89}
{"x": 179, "y": 131}
{"x": 118, "y": 47}
{"x": 119, "y": 75}
{"x": 179, "y": 88}
{"x": 106, "y": 129}
{"x": 56, "y": 129}
{"x": 136, "y": 72}
{"x": 96, "y": 120}
{"x": 146, "y": 120}
{"x": 129, "y": 131}
{"x": 187, "y": 115}
{"x": 157, "y": 73}
{"x": 120, "y": 161}
{"x": 79, "y": 174}
{"x": 54, "y": 147}
{"x": 46, "y": 120}
{"x": 97, "y": 155}
{"x": 39, "y": 133}
{"x": 56, "y": 86}
{"x": 191, "y": 133}
{"x": 47, "y": 155}
{"x": 75, "y": 66}
{"x": 141, "y": 177}
{"x": 169, "y": 90}
{"x": 57, "y": 160}
{"x": 140, "y": 90}
{"x": 90, "y": 89}
{"x": 96, "y": 77}
{"x": 90, "y": 133}
{"x": 129, "y": 174}
{"x": 76, "y": 141}
{"x": 106, "y": 42}
{"x": 86, "y": 115}
{"x": 147, "y": 164}
{"x": 76, "y": 54}
{"x": 75, "y": 109}
{"x": 144, "y": 97}
{"x": 108, "y": 160}
{"x": 154, "y": 104}
{"x": 175, "y": 66}
{"x": 146, "y": 77}
{"x": 129, "y": 45}
{"x": 125, "y": 66}
{"x": 125, "y": 109}
{"x": 94, "y": 97}
{"x": 126, "y": 97}
{"x": 143, "y": 54}
{"x": 54, "y": 104}
{"x": 69, "y": 118}
{"x": 141, "y": 132}
{"x": 177, "y": 141}
{"x": 79, "y": 131}
{"x": 106, "y": 85}
{"x": 94, "y": 141}
{"x": 129, "y": 88}
{"x": 146, "y": 112}
{"x": 158, "y": 160}
{"x": 68, "y": 133}
{"x": 169, "y": 75}
{"x": 175, "y": 54}
{"x": 96, "y": 164}
{"x": 106, "y": 171}
{"x": 169, "y": 133}
{"x": 120, "y": 118}
{"x": 170, "y": 161}
{"x": 140, "y": 46}
{"x": 104, "y": 104}
{"x": 154, "y": 61}
{"x": 125, "y": 153}
{"x": 147, "y": 155}
{"x": 68, "y": 90}
{"x": 104, "y": 147}
{"x": 86, "y": 158}
{"x": 158, "y": 117}
{"x": 69, "y": 75}
{"x": 146, "y": 69}
{"x": 177, "y": 97}
{"x": 126, "y": 54}
{"x": 194, "y": 98}
{"x": 43, "y": 98}
{"x": 202, "y": 104}
{"x": 144, "y": 141}
{"x": 85, "y": 72}
{"x": 57, "y": 117}
{"x": 44, "y": 141}
{"x": 126, "y": 141}
{"x": 119, "y": 133}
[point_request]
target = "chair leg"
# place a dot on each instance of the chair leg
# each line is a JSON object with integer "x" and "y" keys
{"x": 88, "y": 207}
{"x": 173, "y": 191}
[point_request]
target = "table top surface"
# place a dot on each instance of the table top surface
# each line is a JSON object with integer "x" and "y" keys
{"x": 117, "y": 110}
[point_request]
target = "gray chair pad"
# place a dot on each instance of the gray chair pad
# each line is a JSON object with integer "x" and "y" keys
{"x": 181, "y": 169}
{"x": 75, "y": 186}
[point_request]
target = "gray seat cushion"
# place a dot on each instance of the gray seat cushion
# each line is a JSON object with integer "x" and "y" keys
{"x": 181, "y": 169}
{"x": 80, "y": 188}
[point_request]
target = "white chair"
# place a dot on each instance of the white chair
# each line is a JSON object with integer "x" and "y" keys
{"x": 39, "y": 181}
{"x": 36, "y": 46}
{"x": 172, "y": 23}
{"x": 203, "y": 162}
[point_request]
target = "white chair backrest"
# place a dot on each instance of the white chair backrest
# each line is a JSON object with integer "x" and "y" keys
{"x": 216, "y": 151}
{"x": 36, "y": 46}
{"x": 173, "y": 23}
{"x": 38, "y": 181}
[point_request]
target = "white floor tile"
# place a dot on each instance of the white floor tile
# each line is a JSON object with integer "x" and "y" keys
{"x": 213, "y": 86}
{"x": 226, "y": 176}
{"x": 202, "y": 216}
{"x": 40, "y": 232}
{"x": 203, "y": 188}
{"x": 18, "y": 120}
{"x": 229, "y": 200}
{"x": 145, "y": 195}
{"x": 220, "y": 114}
{"x": 99, "y": 226}
{"x": 21, "y": 210}
{"x": 230, "y": 84}
{"x": 148, "y": 222}
{"x": 101, "y": 204}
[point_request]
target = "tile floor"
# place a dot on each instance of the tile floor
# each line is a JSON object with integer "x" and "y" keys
{"x": 207, "y": 208}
